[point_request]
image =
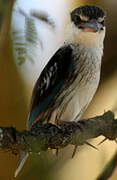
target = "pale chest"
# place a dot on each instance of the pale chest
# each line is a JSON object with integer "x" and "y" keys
{"x": 79, "y": 94}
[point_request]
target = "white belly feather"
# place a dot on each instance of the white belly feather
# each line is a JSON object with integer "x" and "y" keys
{"x": 83, "y": 88}
{"x": 80, "y": 101}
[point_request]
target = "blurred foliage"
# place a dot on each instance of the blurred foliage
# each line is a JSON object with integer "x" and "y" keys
{"x": 13, "y": 103}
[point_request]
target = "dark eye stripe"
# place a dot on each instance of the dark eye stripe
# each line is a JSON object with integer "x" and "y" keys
{"x": 77, "y": 20}
{"x": 102, "y": 22}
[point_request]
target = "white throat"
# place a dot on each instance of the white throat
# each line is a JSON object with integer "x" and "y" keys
{"x": 88, "y": 39}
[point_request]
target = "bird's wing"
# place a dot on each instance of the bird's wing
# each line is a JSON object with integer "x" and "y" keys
{"x": 50, "y": 82}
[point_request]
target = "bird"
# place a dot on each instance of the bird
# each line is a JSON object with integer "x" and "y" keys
{"x": 70, "y": 79}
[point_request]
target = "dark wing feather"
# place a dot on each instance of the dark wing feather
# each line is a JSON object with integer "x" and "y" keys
{"x": 50, "y": 82}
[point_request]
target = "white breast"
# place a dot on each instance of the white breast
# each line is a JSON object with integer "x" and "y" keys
{"x": 84, "y": 87}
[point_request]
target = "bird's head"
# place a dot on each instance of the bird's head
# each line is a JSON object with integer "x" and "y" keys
{"x": 88, "y": 25}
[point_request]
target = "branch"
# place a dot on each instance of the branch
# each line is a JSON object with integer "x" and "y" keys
{"x": 50, "y": 136}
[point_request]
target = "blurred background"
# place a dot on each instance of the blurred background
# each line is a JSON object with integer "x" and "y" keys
{"x": 17, "y": 80}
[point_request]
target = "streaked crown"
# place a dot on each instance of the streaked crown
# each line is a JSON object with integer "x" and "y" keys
{"x": 86, "y": 13}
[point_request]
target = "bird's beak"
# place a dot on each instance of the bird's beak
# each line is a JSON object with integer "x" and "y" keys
{"x": 91, "y": 26}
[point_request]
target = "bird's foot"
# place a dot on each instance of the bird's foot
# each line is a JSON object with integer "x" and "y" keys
{"x": 80, "y": 123}
{"x": 61, "y": 122}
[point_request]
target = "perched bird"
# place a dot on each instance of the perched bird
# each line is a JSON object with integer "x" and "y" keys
{"x": 70, "y": 79}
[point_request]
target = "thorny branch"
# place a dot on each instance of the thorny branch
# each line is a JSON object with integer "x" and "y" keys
{"x": 50, "y": 136}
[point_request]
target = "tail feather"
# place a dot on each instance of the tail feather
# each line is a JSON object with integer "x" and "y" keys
{"x": 23, "y": 159}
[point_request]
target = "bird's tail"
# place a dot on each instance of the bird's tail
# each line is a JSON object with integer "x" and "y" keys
{"x": 23, "y": 159}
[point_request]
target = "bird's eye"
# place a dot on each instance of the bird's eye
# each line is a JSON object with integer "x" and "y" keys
{"x": 77, "y": 19}
{"x": 102, "y": 22}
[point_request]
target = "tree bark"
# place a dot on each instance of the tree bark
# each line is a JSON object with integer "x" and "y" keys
{"x": 50, "y": 136}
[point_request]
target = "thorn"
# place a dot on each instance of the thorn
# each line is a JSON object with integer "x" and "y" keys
{"x": 102, "y": 141}
{"x": 91, "y": 145}
{"x": 74, "y": 151}
{"x": 57, "y": 152}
